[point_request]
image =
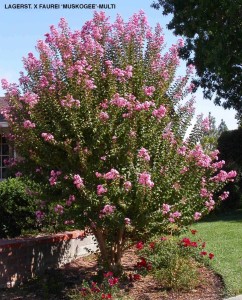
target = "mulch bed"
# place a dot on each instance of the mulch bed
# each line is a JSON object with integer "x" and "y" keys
{"x": 55, "y": 284}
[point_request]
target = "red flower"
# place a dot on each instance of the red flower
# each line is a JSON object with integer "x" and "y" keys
{"x": 106, "y": 296}
{"x": 203, "y": 253}
{"x": 193, "y": 231}
{"x": 108, "y": 274}
{"x": 164, "y": 238}
{"x": 137, "y": 277}
{"x": 211, "y": 255}
{"x": 193, "y": 244}
{"x": 152, "y": 245}
{"x": 186, "y": 242}
{"x": 112, "y": 281}
{"x": 140, "y": 245}
{"x": 142, "y": 263}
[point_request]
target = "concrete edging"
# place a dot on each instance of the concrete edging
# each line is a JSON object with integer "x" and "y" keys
{"x": 23, "y": 258}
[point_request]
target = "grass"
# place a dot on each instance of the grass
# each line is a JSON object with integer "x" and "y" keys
{"x": 223, "y": 236}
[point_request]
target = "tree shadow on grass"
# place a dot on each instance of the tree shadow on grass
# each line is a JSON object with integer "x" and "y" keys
{"x": 234, "y": 216}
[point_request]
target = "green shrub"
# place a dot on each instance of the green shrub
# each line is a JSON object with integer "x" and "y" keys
{"x": 17, "y": 208}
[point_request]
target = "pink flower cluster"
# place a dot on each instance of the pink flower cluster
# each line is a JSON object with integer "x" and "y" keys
{"x": 107, "y": 210}
{"x": 210, "y": 204}
{"x": 48, "y": 137}
{"x": 103, "y": 116}
{"x": 30, "y": 98}
{"x": 144, "y": 153}
{"x": 223, "y": 176}
{"x": 127, "y": 185}
{"x": 78, "y": 181}
{"x": 71, "y": 199}
{"x": 165, "y": 208}
{"x": 28, "y": 124}
{"x": 39, "y": 215}
{"x": 70, "y": 102}
{"x": 111, "y": 175}
{"x": 224, "y": 195}
{"x": 101, "y": 190}
{"x": 59, "y": 209}
{"x": 54, "y": 177}
{"x": 173, "y": 216}
{"x": 149, "y": 90}
{"x": 197, "y": 216}
{"x": 145, "y": 179}
{"x": 160, "y": 112}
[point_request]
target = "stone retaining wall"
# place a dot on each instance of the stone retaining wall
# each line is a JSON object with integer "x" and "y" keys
{"x": 22, "y": 259}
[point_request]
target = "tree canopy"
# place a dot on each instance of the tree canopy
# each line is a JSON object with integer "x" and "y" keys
{"x": 213, "y": 42}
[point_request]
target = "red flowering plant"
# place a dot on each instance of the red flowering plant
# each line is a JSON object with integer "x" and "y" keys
{"x": 173, "y": 261}
{"x": 100, "y": 118}
{"x": 107, "y": 289}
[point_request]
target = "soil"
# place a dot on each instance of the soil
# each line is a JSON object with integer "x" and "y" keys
{"x": 56, "y": 284}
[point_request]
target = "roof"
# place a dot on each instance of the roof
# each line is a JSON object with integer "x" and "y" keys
{"x": 3, "y": 104}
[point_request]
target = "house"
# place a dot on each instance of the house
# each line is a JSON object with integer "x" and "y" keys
{"x": 4, "y": 148}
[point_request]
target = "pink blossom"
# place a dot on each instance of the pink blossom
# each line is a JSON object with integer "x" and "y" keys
{"x": 204, "y": 193}
{"x": 103, "y": 116}
{"x": 71, "y": 199}
{"x": 30, "y": 98}
{"x": 98, "y": 175}
{"x": 144, "y": 153}
{"x": 224, "y": 196}
{"x": 149, "y": 90}
{"x": 197, "y": 216}
{"x": 145, "y": 179}
{"x": 218, "y": 165}
{"x": 40, "y": 214}
{"x": 112, "y": 174}
{"x": 59, "y": 209}
{"x": 119, "y": 101}
{"x": 175, "y": 215}
{"x": 18, "y": 174}
{"x": 222, "y": 176}
{"x": 54, "y": 177}
{"x": 210, "y": 204}
{"x": 108, "y": 209}
{"x": 182, "y": 150}
{"x": 205, "y": 124}
{"x": 47, "y": 137}
{"x": 190, "y": 69}
{"x": 78, "y": 181}
{"x": 144, "y": 106}
{"x": 165, "y": 208}
{"x": 127, "y": 185}
{"x": 5, "y": 84}
{"x": 29, "y": 124}
{"x": 101, "y": 190}
{"x": 184, "y": 170}
{"x": 127, "y": 221}
{"x": 70, "y": 102}
{"x": 69, "y": 222}
{"x": 180, "y": 43}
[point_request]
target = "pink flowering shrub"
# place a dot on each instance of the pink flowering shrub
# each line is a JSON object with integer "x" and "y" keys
{"x": 102, "y": 117}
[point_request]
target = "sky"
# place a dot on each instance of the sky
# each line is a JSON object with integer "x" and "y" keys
{"x": 20, "y": 29}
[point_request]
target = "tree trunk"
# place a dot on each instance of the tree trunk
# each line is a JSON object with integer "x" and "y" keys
{"x": 111, "y": 255}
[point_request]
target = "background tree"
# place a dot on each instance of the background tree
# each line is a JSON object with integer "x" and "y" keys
{"x": 210, "y": 138}
{"x": 98, "y": 117}
{"x": 230, "y": 147}
{"x": 213, "y": 42}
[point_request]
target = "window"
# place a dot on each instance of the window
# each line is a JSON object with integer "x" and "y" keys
{"x": 4, "y": 154}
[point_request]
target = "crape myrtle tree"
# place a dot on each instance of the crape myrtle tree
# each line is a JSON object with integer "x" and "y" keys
{"x": 98, "y": 117}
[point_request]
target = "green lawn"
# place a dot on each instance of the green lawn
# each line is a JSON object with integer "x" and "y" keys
{"x": 223, "y": 236}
